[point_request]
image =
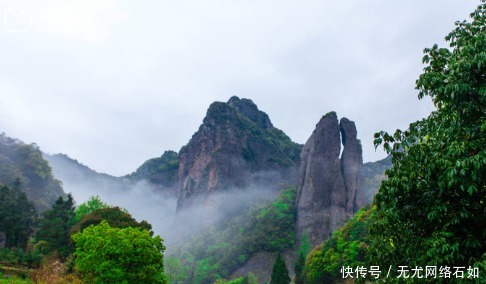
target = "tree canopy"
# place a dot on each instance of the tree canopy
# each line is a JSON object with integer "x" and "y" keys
{"x": 346, "y": 248}
{"x": 56, "y": 225}
{"x": 432, "y": 208}
{"x": 111, "y": 255}
{"x": 280, "y": 273}
{"x": 93, "y": 203}
{"x": 115, "y": 216}
{"x": 17, "y": 216}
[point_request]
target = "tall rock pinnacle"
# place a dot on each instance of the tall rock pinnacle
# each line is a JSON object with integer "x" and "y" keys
{"x": 328, "y": 185}
{"x": 351, "y": 163}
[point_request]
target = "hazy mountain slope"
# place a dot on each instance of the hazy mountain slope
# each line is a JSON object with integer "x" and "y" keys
{"x": 373, "y": 174}
{"x": 139, "y": 197}
{"x": 74, "y": 174}
{"x": 161, "y": 173}
{"x": 25, "y": 162}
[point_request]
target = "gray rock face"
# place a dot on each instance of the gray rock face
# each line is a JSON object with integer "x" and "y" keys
{"x": 351, "y": 163}
{"x": 328, "y": 185}
{"x": 236, "y": 147}
{"x": 251, "y": 111}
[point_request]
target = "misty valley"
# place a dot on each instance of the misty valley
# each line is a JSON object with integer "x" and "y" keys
{"x": 241, "y": 203}
{"x": 237, "y": 195}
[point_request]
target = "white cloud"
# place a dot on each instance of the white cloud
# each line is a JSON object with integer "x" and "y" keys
{"x": 85, "y": 20}
{"x": 140, "y": 75}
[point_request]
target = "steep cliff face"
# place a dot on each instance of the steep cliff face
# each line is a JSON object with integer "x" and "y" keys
{"x": 328, "y": 185}
{"x": 236, "y": 147}
{"x": 351, "y": 163}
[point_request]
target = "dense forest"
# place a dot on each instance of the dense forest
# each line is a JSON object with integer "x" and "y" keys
{"x": 423, "y": 218}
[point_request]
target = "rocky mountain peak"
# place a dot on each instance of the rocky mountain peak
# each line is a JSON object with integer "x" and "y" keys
{"x": 250, "y": 110}
{"x": 236, "y": 147}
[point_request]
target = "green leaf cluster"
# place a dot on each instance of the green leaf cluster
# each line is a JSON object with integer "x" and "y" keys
{"x": 19, "y": 257}
{"x": 115, "y": 216}
{"x": 347, "y": 247}
{"x": 160, "y": 171}
{"x": 85, "y": 208}
{"x": 299, "y": 269}
{"x": 280, "y": 274}
{"x": 17, "y": 216}
{"x": 111, "y": 255}
{"x": 431, "y": 209}
{"x": 55, "y": 227}
{"x": 174, "y": 270}
{"x": 249, "y": 279}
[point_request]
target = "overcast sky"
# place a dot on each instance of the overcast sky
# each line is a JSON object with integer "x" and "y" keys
{"x": 113, "y": 83}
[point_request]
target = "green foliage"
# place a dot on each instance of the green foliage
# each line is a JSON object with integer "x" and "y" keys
{"x": 207, "y": 270}
{"x": 115, "y": 216}
{"x": 282, "y": 151}
{"x": 19, "y": 161}
{"x": 217, "y": 253}
{"x": 274, "y": 227}
{"x": 92, "y": 204}
{"x": 305, "y": 246}
{"x": 160, "y": 171}
{"x": 56, "y": 225}
{"x": 299, "y": 269}
{"x": 250, "y": 279}
{"x": 174, "y": 270}
{"x": 19, "y": 257}
{"x": 346, "y": 247}
{"x": 17, "y": 216}
{"x": 430, "y": 211}
{"x": 280, "y": 274}
{"x": 111, "y": 255}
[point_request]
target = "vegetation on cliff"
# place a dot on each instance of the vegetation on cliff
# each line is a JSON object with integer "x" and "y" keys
{"x": 346, "y": 247}
{"x": 259, "y": 139}
{"x": 218, "y": 252}
{"x": 161, "y": 171}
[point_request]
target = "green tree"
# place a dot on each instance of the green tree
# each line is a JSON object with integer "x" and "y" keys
{"x": 174, "y": 270}
{"x": 431, "y": 209}
{"x": 252, "y": 278}
{"x": 111, "y": 255}
{"x": 115, "y": 216}
{"x": 56, "y": 225}
{"x": 92, "y": 204}
{"x": 280, "y": 274}
{"x": 299, "y": 269}
{"x": 305, "y": 246}
{"x": 17, "y": 216}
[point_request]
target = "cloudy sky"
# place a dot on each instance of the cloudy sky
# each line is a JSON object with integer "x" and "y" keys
{"x": 113, "y": 83}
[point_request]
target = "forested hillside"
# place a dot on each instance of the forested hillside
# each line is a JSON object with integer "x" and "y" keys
{"x": 22, "y": 166}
